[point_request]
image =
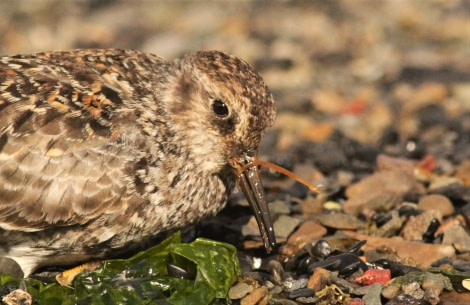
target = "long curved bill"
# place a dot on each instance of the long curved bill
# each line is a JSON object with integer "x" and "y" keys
{"x": 250, "y": 184}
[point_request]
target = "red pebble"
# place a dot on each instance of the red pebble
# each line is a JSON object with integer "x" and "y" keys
{"x": 428, "y": 163}
{"x": 355, "y": 106}
{"x": 372, "y": 276}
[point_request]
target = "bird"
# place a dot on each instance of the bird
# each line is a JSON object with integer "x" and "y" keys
{"x": 102, "y": 150}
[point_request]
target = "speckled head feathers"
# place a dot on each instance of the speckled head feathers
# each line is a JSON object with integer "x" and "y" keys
{"x": 207, "y": 76}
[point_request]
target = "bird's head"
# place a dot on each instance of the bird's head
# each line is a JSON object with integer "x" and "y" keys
{"x": 221, "y": 108}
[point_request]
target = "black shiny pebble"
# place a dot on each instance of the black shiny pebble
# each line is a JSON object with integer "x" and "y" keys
{"x": 320, "y": 249}
{"x": 302, "y": 292}
{"x": 396, "y": 269}
{"x": 407, "y": 210}
{"x": 381, "y": 218}
{"x": 303, "y": 264}
{"x": 344, "y": 263}
{"x": 356, "y": 247}
{"x": 428, "y": 236}
{"x": 294, "y": 261}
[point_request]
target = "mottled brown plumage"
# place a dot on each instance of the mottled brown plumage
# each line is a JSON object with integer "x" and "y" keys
{"x": 101, "y": 150}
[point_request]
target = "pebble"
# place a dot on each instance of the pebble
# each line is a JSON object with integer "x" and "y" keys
{"x": 328, "y": 101}
{"x": 276, "y": 270}
{"x": 391, "y": 227}
{"x": 413, "y": 289}
{"x": 344, "y": 263}
{"x": 441, "y": 182}
{"x": 332, "y": 206}
{"x": 393, "y": 182}
{"x": 423, "y": 254}
{"x": 308, "y": 230}
{"x": 434, "y": 284}
{"x": 283, "y": 302}
{"x": 344, "y": 178}
{"x": 458, "y": 237}
{"x": 372, "y": 276}
{"x": 277, "y": 208}
{"x": 11, "y": 267}
{"x": 17, "y": 297}
{"x": 339, "y": 221}
{"x": 416, "y": 226}
{"x": 396, "y": 268}
{"x": 239, "y": 290}
{"x": 318, "y": 280}
{"x": 251, "y": 228}
{"x": 373, "y": 295}
{"x": 303, "y": 292}
{"x": 404, "y": 299}
{"x": 290, "y": 284}
{"x": 285, "y": 225}
{"x": 321, "y": 249}
{"x": 259, "y": 296}
{"x": 462, "y": 172}
{"x": 436, "y": 202}
{"x": 387, "y": 163}
{"x": 425, "y": 94}
{"x": 312, "y": 206}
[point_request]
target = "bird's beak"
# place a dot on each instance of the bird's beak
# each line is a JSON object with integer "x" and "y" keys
{"x": 250, "y": 184}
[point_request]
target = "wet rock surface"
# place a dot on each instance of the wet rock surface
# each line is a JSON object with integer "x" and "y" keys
{"x": 373, "y": 104}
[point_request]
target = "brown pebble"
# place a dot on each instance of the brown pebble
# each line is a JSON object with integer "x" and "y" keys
{"x": 454, "y": 298}
{"x": 394, "y": 182}
{"x": 462, "y": 172}
{"x": 309, "y": 230}
{"x": 386, "y": 163}
{"x": 312, "y": 206}
{"x": 425, "y": 94}
{"x": 318, "y": 280}
{"x": 436, "y": 202}
{"x": 340, "y": 221}
{"x": 423, "y": 254}
{"x": 317, "y": 132}
{"x": 259, "y": 296}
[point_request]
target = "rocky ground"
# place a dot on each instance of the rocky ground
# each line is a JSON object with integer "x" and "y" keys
{"x": 373, "y": 103}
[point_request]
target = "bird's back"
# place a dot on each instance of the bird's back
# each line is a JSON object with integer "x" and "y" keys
{"x": 68, "y": 138}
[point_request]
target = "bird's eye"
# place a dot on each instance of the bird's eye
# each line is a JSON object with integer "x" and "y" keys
{"x": 219, "y": 108}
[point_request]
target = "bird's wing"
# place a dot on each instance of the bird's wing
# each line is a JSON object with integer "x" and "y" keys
{"x": 65, "y": 139}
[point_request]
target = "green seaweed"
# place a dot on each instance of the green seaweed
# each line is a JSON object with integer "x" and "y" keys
{"x": 144, "y": 278}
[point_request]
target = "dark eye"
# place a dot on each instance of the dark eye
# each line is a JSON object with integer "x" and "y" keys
{"x": 219, "y": 108}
